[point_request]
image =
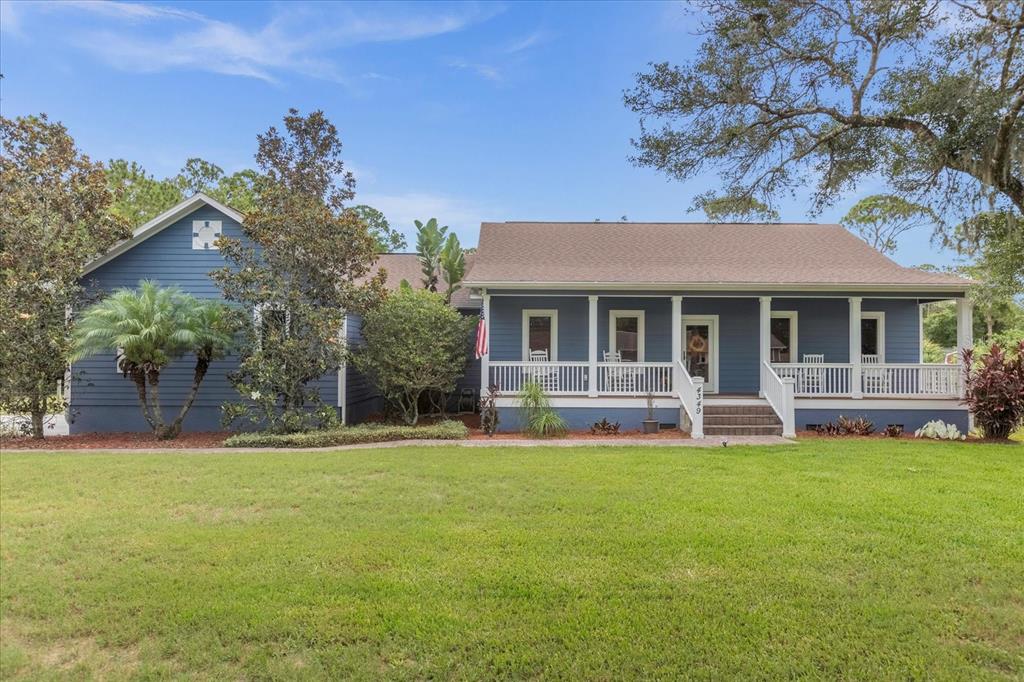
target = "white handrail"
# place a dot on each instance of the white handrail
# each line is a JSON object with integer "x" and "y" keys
{"x": 885, "y": 380}
{"x": 690, "y": 391}
{"x": 779, "y": 394}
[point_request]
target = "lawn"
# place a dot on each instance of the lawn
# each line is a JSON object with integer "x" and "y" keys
{"x": 825, "y": 559}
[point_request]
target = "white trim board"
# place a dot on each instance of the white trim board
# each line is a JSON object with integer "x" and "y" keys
{"x": 953, "y": 289}
{"x": 540, "y": 312}
{"x": 794, "y": 331}
{"x": 161, "y": 222}
{"x": 853, "y": 405}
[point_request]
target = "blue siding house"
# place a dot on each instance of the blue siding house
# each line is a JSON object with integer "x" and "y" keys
{"x": 723, "y": 328}
{"x": 176, "y": 248}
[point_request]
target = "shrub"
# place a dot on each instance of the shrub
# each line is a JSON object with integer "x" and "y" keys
{"x": 541, "y": 419}
{"x": 349, "y": 435}
{"x": 827, "y": 429}
{"x": 994, "y": 390}
{"x": 605, "y": 428}
{"x": 939, "y": 430}
{"x": 415, "y": 343}
{"x": 855, "y": 427}
{"x": 893, "y": 431}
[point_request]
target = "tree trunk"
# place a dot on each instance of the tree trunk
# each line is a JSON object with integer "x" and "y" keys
{"x": 202, "y": 364}
{"x": 37, "y": 420}
{"x": 153, "y": 376}
{"x": 139, "y": 377}
{"x": 990, "y": 324}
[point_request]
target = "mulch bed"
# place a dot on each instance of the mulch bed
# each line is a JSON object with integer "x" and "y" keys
{"x": 116, "y": 441}
{"x": 664, "y": 434}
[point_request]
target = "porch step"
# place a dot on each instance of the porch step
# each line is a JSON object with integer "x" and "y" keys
{"x": 743, "y": 430}
{"x": 741, "y": 420}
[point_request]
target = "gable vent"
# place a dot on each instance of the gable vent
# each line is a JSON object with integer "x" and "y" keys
{"x": 204, "y": 234}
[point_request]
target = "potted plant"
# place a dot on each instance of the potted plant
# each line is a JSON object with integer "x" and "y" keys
{"x": 650, "y": 424}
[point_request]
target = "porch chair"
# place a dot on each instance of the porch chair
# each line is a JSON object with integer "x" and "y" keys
{"x": 547, "y": 377}
{"x": 876, "y": 379}
{"x": 813, "y": 378}
{"x": 617, "y": 378}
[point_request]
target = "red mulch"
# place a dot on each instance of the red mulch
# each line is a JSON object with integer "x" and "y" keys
{"x": 664, "y": 434}
{"x": 906, "y": 435}
{"x": 116, "y": 441}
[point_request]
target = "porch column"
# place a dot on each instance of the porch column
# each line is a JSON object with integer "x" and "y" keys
{"x": 677, "y": 340}
{"x": 485, "y": 358}
{"x": 764, "y": 338}
{"x": 856, "y": 385}
{"x": 592, "y": 357}
{"x": 964, "y": 330}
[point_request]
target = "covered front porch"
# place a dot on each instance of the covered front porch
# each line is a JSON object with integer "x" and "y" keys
{"x": 619, "y": 349}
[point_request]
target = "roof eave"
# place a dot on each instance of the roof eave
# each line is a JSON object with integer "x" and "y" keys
{"x": 725, "y": 286}
{"x": 160, "y": 222}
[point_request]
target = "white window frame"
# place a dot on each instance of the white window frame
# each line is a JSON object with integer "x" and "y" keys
{"x": 791, "y": 315}
{"x": 201, "y": 242}
{"x": 880, "y": 316}
{"x": 641, "y": 335}
{"x": 540, "y": 312}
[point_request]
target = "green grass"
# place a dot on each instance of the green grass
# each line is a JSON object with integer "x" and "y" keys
{"x": 826, "y": 559}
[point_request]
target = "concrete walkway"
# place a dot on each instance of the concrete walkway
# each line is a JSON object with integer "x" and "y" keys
{"x": 709, "y": 442}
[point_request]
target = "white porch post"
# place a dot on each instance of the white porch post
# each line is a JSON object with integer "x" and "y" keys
{"x": 765, "y": 337}
{"x": 485, "y": 359}
{"x": 964, "y": 330}
{"x": 592, "y": 356}
{"x": 677, "y": 340}
{"x": 856, "y": 385}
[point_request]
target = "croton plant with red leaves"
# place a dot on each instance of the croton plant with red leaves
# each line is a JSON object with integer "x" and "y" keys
{"x": 994, "y": 390}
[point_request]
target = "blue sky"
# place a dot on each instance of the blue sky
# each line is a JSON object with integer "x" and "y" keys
{"x": 466, "y": 112}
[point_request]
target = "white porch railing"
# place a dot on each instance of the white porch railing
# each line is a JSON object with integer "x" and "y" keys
{"x": 691, "y": 395}
{"x": 819, "y": 380}
{"x": 779, "y": 394}
{"x": 634, "y": 378}
{"x": 556, "y": 378}
{"x": 825, "y": 380}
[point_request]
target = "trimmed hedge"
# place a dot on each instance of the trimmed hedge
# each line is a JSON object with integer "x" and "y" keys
{"x": 349, "y": 435}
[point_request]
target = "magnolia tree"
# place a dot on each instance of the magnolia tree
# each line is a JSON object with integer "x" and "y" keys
{"x": 303, "y": 262}
{"x": 54, "y": 219}
{"x": 150, "y": 328}
{"x": 415, "y": 344}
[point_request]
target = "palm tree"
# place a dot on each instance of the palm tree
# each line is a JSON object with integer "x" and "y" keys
{"x": 150, "y": 327}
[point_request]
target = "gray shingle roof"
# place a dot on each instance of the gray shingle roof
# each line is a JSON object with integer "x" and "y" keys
{"x": 687, "y": 253}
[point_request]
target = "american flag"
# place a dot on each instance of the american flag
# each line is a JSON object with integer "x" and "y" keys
{"x": 481, "y": 339}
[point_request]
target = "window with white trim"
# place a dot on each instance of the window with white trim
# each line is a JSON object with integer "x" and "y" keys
{"x": 626, "y": 334}
{"x": 205, "y": 234}
{"x": 784, "y": 336}
{"x": 540, "y": 333}
{"x": 270, "y": 321}
{"x": 872, "y": 336}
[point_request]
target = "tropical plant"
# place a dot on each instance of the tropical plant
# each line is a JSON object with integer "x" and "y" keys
{"x": 893, "y": 431}
{"x": 540, "y": 418}
{"x": 54, "y": 219}
{"x": 414, "y": 344}
{"x": 803, "y": 93}
{"x": 453, "y": 266}
{"x": 605, "y": 428}
{"x": 303, "y": 264}
{"x": 430, "y": 242}
{"x": 994, "y": 389}
{"x": 939, "y": 430}
{"x": 149, "y": 328}
{"x": 489, "y": 410}
{"x": 859, "y": 426}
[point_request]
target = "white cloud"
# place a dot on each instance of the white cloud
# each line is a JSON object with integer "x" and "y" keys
{"x": 463, "y": 216}
{"x": 150, "y": 38}
{"x": 491, "y": 73}
{"x": 525, "y": 43}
